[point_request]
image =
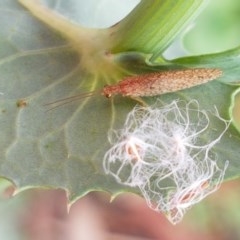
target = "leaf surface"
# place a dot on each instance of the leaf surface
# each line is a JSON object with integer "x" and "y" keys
{"x": 64, "y": 147}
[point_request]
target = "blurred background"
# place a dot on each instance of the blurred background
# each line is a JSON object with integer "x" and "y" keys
{"x": 43, "y": 214}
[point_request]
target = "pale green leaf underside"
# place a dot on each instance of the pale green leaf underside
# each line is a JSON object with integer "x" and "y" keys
{"x": 64, "y": 147}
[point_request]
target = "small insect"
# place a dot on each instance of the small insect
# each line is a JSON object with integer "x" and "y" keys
{"x": 21, "y": 103}
{"x": 152, "y": 84}
{"x": 133, "y": 148}
{"x": 194, "y": 193}
{"x": 186, "y": 198}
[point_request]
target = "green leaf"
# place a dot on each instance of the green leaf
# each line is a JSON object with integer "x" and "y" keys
{"x": 228, "y": 61}
{"x": 234, "y": 109}
{"x": 220, "y": 95}
{"x": 64, "y": 147}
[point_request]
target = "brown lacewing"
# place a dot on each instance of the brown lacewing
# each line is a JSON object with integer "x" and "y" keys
{"x": 152, "y": 84}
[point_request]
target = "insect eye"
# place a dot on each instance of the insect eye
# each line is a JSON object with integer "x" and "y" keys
{"x": 108, "y": 95}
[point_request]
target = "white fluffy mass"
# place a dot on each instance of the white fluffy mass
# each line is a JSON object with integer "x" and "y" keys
{"x": 166, "y": 152}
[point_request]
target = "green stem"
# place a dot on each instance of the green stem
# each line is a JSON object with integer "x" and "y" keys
{"x": 153, "y": 24}
{"x": 149, "y": 28}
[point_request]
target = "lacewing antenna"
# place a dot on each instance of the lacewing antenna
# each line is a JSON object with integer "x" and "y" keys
{"x": 67, "y": 100}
